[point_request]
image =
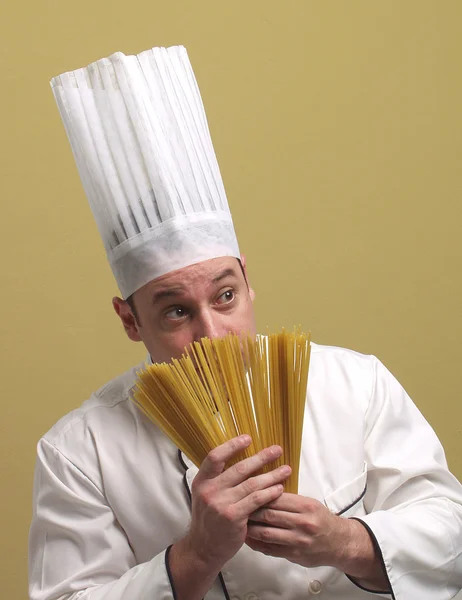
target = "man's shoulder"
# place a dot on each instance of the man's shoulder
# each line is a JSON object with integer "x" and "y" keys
{"x": 108, "y": 402}
{"x": 331, "y": 355}
{"x": 106, "y": 436}
{"x": 340, "y": 376}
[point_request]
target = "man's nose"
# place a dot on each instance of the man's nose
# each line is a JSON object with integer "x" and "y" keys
{"x": 208, "y": 325}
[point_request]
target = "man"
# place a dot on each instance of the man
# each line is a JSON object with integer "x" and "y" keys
{"x": 119, "y": 512}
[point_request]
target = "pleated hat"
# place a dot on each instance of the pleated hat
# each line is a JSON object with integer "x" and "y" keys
{"x": 139, "y": 135}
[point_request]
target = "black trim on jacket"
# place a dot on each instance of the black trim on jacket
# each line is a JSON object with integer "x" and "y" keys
{"x": 380, "y": 555}
{"x": 169, "y": 573}
{"x": 360, "y": 497}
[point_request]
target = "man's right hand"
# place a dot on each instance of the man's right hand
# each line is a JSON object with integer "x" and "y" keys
{"x": 222, "y": 502}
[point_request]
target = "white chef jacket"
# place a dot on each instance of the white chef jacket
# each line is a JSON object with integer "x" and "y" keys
{"x": 111, "y": 493}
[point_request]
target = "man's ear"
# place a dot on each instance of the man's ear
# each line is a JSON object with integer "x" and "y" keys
{"x": 244, "y": 268}
{"x": 125, "y": 314}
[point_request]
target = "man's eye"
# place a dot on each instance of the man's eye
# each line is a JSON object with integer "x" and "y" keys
{"x": 176, "y": 313}
{"x": 226, "y": 297}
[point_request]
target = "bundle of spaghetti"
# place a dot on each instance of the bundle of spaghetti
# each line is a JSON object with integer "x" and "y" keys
{"x": 225, "y": 387}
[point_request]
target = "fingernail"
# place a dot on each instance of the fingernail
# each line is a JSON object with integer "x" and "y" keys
{"x": 285, "y": 470}
{"x": 276, "y": 450}
{"x": 246, "y": 439}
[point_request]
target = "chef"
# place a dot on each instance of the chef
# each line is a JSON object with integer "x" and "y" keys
{"x": 119, "y": 512}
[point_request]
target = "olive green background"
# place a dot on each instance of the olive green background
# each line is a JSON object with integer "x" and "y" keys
{"x": 337, "y": 126}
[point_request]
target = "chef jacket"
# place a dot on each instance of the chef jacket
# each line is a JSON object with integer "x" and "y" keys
{"x": 112, "y": 493}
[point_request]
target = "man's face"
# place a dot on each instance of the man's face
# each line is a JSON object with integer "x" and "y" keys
{"x": 209, "y": 299}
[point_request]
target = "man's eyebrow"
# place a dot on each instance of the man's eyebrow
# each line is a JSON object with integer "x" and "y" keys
{"x": 178, "y": 291}
{"x": 226, "y": 273}
{"x": 166, "y": 293}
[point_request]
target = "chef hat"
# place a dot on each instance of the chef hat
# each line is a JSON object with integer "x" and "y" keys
{"x": 139, "y": 134}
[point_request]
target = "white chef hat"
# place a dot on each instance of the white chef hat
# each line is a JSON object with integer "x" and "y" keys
{"x": 139, "y": 134}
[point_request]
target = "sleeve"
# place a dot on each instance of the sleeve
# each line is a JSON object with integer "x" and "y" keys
{"x": 414, "y": 503}
{"x": 77, "y": 549}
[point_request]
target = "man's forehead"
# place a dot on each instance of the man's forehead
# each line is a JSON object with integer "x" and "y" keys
{"x": 206, "y": 273}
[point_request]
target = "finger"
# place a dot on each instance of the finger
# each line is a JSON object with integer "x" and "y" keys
{"x": 216, "y": 459}
{"x": 245, "y": 468}
{"x": 271, "y": 535}
{"x": 275, "y": 518}
{"x": 269, "y": 549}
{"x": 251, "y": 503}
{"x": 260, "y": 482}
{"x": 295, "y": 503}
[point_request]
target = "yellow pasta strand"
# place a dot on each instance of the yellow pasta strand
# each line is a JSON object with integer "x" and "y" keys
{"x": 228, "y": 386}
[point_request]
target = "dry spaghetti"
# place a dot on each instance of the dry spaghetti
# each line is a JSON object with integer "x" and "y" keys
{"x": 228, "y": 386}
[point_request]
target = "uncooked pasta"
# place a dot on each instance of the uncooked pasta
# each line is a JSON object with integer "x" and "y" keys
{"x": 229, "y": 386}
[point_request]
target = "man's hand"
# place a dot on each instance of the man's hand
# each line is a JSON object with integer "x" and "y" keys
{"x": 304, "y": 531}
{"x": 221, "y": 504}
{"x": 223, "y": 500}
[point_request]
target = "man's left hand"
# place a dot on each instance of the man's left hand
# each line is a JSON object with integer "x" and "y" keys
{"x": 306, "y": 532}
{"x": 299, "y": 529}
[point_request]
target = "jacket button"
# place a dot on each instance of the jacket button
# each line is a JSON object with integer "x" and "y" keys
{"x": 251, "y": 596}
{"x": 315, "y": 586}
